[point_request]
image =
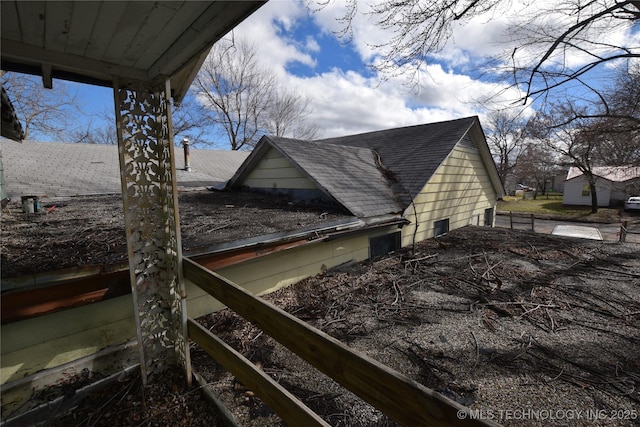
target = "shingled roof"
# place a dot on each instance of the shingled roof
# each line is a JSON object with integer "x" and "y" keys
{"x": 412, "y": 153}
{"x": 611, "y": 173}
{"x": 65, "y": 169}
{"x": 374, "y": 173}
{"x": 348, "y": 174}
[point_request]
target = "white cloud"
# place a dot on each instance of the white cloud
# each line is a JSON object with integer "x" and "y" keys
{"x": 345, "y": 101}
{"x": 275, "y": 49}
{"x": 311, "y": 44}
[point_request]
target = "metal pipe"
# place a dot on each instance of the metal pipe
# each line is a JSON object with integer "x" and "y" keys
{"x": 185, "y": 144}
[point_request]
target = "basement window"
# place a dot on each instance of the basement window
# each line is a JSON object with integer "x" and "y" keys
{"x": 488, "y": 217}
{"x": 383, "y": 245}
{"x": 441, "y": 227}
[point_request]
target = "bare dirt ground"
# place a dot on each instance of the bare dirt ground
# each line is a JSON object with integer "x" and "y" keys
{"x": 525, "y": 329}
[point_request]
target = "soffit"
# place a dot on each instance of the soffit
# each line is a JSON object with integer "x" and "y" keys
{"x": 97, "y": 42}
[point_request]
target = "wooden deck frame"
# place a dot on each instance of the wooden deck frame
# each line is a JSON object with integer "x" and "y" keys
{"x": 399, "y": 397}
{"x": 291, "y": 410}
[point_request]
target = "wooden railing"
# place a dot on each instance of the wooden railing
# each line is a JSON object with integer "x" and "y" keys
{"x": 522, "y": 219}
{"x": 626, "y": 229}
{"x": 396, "y": 395}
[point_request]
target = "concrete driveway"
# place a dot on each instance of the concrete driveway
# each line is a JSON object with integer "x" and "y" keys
{"x": 609, "y": 231}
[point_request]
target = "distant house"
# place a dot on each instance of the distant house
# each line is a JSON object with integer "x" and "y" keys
{"x": 558, "y": 178}
{"x": 437, "y": 176}
{"x": 614, "y": 184}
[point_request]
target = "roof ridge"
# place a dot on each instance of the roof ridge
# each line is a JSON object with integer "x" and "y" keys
{"x": 396, "y": 129}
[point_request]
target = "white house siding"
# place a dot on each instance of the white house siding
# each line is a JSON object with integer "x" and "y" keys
{"x": 459, "y": 190}
{"x": 573, "y": 192}
{"x": 275, "y": 172}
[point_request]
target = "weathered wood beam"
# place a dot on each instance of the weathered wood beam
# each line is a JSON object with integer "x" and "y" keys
{"x": 286, "y": 405}
{"x": 25, "y": 304}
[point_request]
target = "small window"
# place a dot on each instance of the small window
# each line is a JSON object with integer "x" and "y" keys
{"x": 383, "y": 245}
{"x": 586, "y": 190}
{"x": 488, "y": 217}
{"x": 440, "y": 227}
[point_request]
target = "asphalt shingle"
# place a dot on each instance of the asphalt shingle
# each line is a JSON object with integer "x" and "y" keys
{"x": 373, "y": 173}
{"x": 349, "y": 174}
{"x": 63, "y": 169}
{"x": 411, "y": 153}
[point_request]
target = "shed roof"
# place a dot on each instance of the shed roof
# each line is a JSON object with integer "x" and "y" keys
{"x": 64, "y": 169}
{"x": 378, "y": 172}
{"x": 611, "y": 173}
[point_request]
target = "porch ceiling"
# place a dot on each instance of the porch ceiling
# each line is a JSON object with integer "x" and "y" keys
{"x": 97, "y": 42}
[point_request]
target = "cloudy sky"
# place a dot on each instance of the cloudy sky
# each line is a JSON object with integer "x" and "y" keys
{"x": 346, "y": 97}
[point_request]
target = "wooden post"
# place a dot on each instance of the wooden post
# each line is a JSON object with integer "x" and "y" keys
{"x": 511, "y": 219}
{"x": 623, "y": 231}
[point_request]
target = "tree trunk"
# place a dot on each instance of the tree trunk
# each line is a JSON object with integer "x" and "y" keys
{"x": 594, "y": 197}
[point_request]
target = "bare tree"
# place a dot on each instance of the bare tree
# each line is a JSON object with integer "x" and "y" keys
{"x": 235, "y": 90}
{"x": 546, "y": 41}
{"x": 616, "y": 129}
{"x": 562, "y": 130}
{"x": 43, "y": 112}
{"x": 287, "y": 115}
{"x": 506, "y": 137}
{"x": 189, "y": 120}
{"x": 103, "y": 133}
{"x": 536, "y": 165}
{"x": 101, "y": 128}
{"x": 245, "y": 99}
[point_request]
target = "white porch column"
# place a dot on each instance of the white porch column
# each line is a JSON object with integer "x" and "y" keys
{"x": 150, "y": 198}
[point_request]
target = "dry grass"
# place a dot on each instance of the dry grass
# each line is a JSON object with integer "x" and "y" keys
{"x": 552, "y": 206}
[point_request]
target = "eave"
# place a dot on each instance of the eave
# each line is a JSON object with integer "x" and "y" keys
{"x": 102, "y": 42}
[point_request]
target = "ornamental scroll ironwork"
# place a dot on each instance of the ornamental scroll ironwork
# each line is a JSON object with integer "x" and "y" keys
{"x": 153, "y": 234}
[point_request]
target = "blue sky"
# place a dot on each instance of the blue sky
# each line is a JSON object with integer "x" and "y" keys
{"x": 346, "y": 96}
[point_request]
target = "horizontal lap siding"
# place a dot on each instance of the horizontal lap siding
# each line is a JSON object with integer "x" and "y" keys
{"x": 54, "y": 339}
{"x": 284, "y": 268}
{"x": 274, "y": 171}
{"x": 460, "y": 190}
{"x": 57, "y": 338}
{"x": 572, "y": 194}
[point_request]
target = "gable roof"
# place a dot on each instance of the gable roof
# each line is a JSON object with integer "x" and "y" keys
{"x": 413, "y": 153}
{"x": 66, "y": 169}
{"x": 348, "y": 174}
{"x": 378, "y": 172}
{"x": 611, "y": 173}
